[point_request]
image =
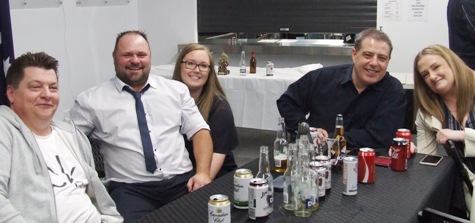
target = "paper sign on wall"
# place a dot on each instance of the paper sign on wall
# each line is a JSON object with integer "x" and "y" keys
{"x": 392, "y": 10}
{"x": 418, "y": 10}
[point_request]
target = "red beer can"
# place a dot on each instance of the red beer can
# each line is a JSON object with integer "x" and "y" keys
{"x": 366, "y": 165}
{"x": 398, "y": 154}
{"x": 406, "y": 134}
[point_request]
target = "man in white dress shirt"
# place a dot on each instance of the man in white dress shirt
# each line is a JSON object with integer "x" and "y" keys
{"x": 109, "y": 114}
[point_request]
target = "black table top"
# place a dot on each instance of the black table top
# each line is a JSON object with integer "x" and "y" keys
{"x": 394, "y": 197}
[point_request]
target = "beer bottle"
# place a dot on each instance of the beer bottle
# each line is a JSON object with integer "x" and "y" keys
{"x": 242, "y": 64}
{"x": 252, "y": 65}
{"x": 264, "y": 173}
{"x": 339, "y": 147}
{"x": 280, "y": 147}
{"x": 340, "y": 133}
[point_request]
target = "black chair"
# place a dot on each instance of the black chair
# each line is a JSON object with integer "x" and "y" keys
{"x": 98, "y": 158}
{"x": 429, "y": 215}
{"x": 456, "y": 154}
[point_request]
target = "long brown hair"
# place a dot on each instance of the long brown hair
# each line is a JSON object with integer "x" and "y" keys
{"x": 211, "y": 88}
{"x": 464, "y": 83}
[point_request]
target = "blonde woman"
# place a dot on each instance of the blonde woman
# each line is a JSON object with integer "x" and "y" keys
{"x": 195, "y": 68}
{"x": 444, "y": 100}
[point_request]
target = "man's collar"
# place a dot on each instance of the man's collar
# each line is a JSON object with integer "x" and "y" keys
{"x": 348, "y": 78}
{"x": 119, "y": 84}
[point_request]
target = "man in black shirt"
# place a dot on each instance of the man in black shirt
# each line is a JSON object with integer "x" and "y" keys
{"x": 372, "y": 102}
{"x": 461, "y": 23}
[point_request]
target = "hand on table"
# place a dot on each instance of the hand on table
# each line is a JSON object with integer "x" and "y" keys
{"x": 197, "y": 181}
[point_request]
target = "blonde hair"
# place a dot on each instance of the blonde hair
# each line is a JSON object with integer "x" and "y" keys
{"x": 211, "y": 88}
{"x": 464, "y": 82}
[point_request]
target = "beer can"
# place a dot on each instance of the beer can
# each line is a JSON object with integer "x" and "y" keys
{"x": 350, "y": 175}
{"x": 328, "y": 173}
{"x": 259, "y": 207}
{"x": 269, "y": 68}
{"x": 366, "y": 165}
{"x": 318, "y": 183}
{"x": 398, "y": 154}
{"x": 242, "y": 177}
{"x": 406, "y": 134}
{"x": 219, "y": 209}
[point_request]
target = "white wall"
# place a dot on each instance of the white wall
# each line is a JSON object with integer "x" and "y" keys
{"x": 409, "y": 37}
{"x": 82, "y": 38}
{"x": 168, "y": 22}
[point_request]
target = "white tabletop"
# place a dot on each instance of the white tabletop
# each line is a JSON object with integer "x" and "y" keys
{"x": 253, "y": 97}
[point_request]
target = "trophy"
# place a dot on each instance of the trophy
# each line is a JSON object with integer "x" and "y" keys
{"x": 223, "y": 64}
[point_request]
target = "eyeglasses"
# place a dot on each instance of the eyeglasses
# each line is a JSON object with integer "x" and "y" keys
{"x": 192, "y": 65}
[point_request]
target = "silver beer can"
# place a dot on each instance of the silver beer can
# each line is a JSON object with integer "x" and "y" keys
{"x": 318, "y": 183}
{"x": 242, "y": 177}
{"x": 350, "y": 175}
{"x": 269, "y": 68}
{"x": 259, "y": 206}
{"x": 328, "y": 173}
{"x": 219, "y": 209}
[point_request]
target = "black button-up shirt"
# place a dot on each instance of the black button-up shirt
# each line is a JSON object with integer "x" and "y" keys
{"x": 370, "y": 118}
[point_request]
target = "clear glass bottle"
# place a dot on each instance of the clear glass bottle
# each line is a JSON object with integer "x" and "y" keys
{"x": 252, "y": 64}
{"x": 264, "y": 172}
{"x": 304, "y": 199}
{"x": 280, "y": 147}
{"x": 242, "y": 64}
{"x": 290, "y": 178}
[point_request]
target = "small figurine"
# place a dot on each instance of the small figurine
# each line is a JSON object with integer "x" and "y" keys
{"x": 223, "y": 64}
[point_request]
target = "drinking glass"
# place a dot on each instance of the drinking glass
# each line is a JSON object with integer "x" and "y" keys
{"x": 326, "y": 147}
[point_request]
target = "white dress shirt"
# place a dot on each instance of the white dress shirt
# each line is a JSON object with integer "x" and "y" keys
{"x": 107, "y": 113}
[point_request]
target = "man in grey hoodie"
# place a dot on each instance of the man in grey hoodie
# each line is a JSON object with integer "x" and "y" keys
{"x": 46, "y": 168}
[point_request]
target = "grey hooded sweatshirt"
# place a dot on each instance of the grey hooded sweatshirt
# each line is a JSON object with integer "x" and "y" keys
{"x": 26, "y": 192}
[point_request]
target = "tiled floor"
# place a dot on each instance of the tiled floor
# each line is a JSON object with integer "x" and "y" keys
{"x": 249, "y": 142}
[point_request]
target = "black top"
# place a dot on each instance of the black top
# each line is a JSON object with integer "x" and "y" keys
{"x": 223, "y": 133}
{"x": 370, "y": 118}
{"x": 458, "y": 197}
{"x": 461, "y": 24}
{"x": 453, "y": 124}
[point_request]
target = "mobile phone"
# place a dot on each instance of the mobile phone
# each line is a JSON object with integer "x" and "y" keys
{"x": 431, "y": 160}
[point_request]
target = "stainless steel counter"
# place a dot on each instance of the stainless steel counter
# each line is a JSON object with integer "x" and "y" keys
{"x": 328, "y": 47}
